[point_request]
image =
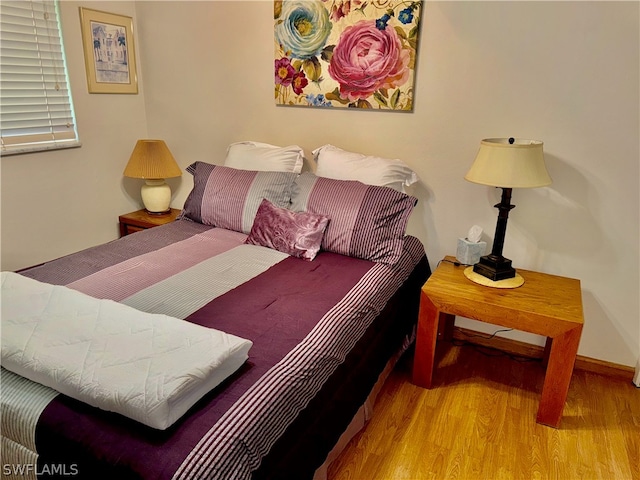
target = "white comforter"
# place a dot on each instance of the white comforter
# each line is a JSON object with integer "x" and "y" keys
{"x": 149, "y": 367}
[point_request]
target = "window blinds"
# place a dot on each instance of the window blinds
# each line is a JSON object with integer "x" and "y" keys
{"x": 36, "y": 110}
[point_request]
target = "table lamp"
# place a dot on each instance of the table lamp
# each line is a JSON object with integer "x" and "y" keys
{"x": 508, "y": 164}
{"x": 152, "y": 161}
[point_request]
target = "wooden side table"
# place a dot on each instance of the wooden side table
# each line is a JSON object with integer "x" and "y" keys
{"x": 545, "y": 305}
{"x": 141, "y": 220}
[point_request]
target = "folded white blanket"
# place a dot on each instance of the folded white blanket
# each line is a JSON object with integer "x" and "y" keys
{"x": 149, "y": 367}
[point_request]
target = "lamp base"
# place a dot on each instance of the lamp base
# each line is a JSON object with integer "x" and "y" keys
{"x": 156, "y": 196}
{"x": 158, "y": 214}
{"x": 494, "y": 267}
{"x": 513, "y": 282}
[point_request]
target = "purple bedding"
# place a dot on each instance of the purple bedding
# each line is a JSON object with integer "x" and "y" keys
{"x": 322, "y": 333}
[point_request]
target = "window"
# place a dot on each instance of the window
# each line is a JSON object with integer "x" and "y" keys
{"x": 35, "y": 99}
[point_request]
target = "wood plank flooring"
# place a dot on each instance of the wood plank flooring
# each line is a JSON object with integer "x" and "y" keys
{"x": 478, "y": 423}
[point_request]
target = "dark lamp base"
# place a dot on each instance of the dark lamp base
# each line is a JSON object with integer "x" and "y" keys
{"x": 494, "y": 268}
{"x": 158, "y": 213}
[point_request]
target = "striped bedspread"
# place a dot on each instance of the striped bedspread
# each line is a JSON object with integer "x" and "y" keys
{"x": 304, "y": 319}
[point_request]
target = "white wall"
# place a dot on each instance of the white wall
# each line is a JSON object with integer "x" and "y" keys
{"x": 564, "y": 73}
{"x": 55, "y": 203}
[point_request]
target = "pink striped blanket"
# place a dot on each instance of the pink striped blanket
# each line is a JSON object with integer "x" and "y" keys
{"x": 322, "y": 332}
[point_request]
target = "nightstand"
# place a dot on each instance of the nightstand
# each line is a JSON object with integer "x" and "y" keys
{"x": 141, "y": 220}
{"x": 546, "y": 305}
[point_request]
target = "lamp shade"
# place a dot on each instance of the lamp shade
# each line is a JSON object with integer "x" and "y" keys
{"x": 151, "y": 159}
{"x": 509, "y": 163}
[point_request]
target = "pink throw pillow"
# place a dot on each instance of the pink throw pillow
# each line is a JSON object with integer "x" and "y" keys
{"x": 296, "y": 233}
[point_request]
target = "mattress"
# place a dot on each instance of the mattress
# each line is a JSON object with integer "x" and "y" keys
{"x": 322, "y": 332}
{"x": 148, "y": 367}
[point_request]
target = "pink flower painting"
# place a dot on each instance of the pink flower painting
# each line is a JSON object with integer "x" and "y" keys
{"x": 346, "y": 53}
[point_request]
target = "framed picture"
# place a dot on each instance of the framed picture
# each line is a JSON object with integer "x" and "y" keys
{"x": 346, "y": 53}
{"x": 109, "y": 52}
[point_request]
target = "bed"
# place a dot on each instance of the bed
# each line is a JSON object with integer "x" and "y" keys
{"x": 327, "y": 300}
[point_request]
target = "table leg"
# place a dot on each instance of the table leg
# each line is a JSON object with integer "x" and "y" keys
{"x": 547, "y": 352}
{"x": 446, "y": 323}
{"x": 562, "y": 358}
{"x": 424, "y": 357}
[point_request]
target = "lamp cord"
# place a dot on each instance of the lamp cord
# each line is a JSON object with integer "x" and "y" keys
{"x": 457, "y": 264}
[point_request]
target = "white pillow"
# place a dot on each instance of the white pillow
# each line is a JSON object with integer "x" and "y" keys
{"x": 263, "y": 157}
{"x": 333, "y": 162}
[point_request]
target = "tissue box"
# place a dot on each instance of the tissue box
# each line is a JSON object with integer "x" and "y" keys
{"x": 468, "y": 252}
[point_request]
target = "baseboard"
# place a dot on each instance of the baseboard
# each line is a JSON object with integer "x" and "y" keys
{"x": 522, "y": 349}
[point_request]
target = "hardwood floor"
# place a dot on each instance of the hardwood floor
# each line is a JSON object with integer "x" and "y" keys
{"x": 478, "y": 423}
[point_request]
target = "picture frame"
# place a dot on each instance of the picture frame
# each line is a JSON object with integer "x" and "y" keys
{"x": 109, "y": 52}
{"x": 351, "y": 54}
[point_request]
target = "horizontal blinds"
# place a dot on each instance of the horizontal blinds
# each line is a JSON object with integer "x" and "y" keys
{"x": 35, "y": 102}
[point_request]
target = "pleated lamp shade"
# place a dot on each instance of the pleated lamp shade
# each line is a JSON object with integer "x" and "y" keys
{"x": 152, "y": 160}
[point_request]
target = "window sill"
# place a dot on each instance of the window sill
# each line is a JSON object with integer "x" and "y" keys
{"x": 22, "y": 149}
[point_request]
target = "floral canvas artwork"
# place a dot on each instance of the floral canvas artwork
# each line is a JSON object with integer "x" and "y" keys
{"x": 346, "y": 53}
